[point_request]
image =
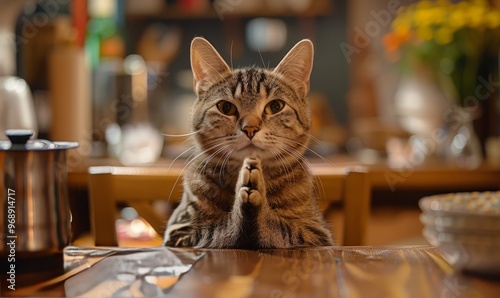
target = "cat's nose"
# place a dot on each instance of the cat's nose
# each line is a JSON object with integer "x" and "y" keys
{"x": 250, "y": 125}
{"x": 250, "y": 131}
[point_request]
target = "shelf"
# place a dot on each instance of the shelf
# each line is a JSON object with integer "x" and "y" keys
{"x": 316, "y": 9}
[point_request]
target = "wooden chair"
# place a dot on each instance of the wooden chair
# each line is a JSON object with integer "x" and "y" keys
{"x": 137, "y": 187}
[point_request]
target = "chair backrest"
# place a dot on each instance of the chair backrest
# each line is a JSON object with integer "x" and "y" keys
{"x": 137, "y": 187}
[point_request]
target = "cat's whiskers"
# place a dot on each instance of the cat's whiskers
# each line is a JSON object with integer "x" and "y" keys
{"x": 195, "y": 150}
{"x": 325, "y": 160}
{"x": 207, "y": 160}
{"x": 276, "y": 142}
{"x": 189, "y": 162}
{"x": 204, "y": 162}
{"x": 224, "y": 140}
{"x": 322, "y": 145}
{"x": 226, "y": 157}
{"x": 287, "y": 166}
{"x": 191, "y": 156}
{"x": 221, "y": 140}
{"x": 293, "y": 150}
{"x": 180, "y": 135}
{"x": 193, "y": 147}
{"x": 181, "y": 154}
{"x": 318, "y": 185}
{"x": 221, "y": 158}
{"x": 225, "y": 160}
{"x": 316, "y": 140}
{"x": 262, "y": 59}
{"x": 231, "y": 55}
{"x": 279, "y": 156}
{"x": 297, "y": 155}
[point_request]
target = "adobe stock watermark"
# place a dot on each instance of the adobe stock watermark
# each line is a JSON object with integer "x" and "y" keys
{"x": 363, "y": 36}
{"x": 224, "y": 6}
{"x": 29, "y": 28}
{"x": 10, "y": 239}
{"x": 429, "y": 145}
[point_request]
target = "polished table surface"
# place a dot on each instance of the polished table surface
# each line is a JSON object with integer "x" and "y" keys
{"x": 388, "y": 271}
{"x": 330, "y": 272}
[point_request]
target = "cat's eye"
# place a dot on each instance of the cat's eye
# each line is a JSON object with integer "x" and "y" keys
{"x": 226, "y": 108}
{"x": 274, "y": 106}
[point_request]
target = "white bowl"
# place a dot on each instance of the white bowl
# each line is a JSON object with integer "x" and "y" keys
{"x": 464, "y": 223}
{"x": 465, "y": 227}
{"x": 463, "y": 203}
{"x": 476, "y": 253}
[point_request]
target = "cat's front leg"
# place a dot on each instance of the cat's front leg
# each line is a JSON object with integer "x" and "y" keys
{"x": 251, "y": 187}
{"x": 180, "y": 228}
{"x": 249, "y": 202}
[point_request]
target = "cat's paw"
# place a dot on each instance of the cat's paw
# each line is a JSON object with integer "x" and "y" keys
{"x": 250, "y": 196}
{"x": 251, "y": 183}
{"x": 183, "y": 241}
{"x": 180, "y": 235}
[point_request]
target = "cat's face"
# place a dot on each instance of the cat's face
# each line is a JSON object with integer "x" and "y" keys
{"x": 251, "y": 112}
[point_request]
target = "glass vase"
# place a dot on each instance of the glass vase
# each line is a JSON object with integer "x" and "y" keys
{"x": 463, "y": 145}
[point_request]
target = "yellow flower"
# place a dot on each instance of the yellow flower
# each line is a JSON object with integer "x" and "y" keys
{"x": 444, "y": 3}
{"x": 492, "y": 19}
{"x": 401, "y": 25}
{"x": 405, "y": 17}
{"x": 483, "y": 3}
{"x": 462, "y": 6}
{"x": 402, "y": 30}
{"x": 447, "y": 22}
{"x": 476, "y": 16}
{"x": 423, "y": 17}
{"x": 424, "y": 4}
{"x": 444, "y": 35}
{"x": 437, "y": 15}
{"x": 424, "y": 33}
{"x": 457, "y": 19}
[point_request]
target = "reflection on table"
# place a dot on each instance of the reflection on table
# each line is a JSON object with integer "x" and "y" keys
{"x": 392, "y": 271}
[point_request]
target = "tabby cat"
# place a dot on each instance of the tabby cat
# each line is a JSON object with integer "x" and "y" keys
{"x": 248, "y": 184}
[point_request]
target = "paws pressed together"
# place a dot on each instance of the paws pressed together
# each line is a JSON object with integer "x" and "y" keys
{"x": 247, "y": 184}
{"x": 251, "y": 183}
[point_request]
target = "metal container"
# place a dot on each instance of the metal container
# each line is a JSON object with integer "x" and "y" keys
{"x": 35, "y": 217}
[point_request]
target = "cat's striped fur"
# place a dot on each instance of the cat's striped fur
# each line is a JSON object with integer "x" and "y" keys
{"x": 248, "y": 185}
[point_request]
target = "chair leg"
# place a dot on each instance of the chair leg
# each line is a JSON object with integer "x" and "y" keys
{"x": 148, "y": 213}
{"x": 357, "y": 200}
{"x": 102, "y": 205}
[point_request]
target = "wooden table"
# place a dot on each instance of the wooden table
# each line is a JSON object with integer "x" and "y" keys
{"x": 434, "y": 177}
{"x": 411, "y": 271}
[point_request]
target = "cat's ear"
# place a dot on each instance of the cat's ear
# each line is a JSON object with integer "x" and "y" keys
{"x": 297, "y": 64}
{"x": 206, "y": 62}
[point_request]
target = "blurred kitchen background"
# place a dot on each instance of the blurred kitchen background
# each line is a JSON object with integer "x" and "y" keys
{"x": 398, "y": 82}
{"x": 114, "y": 74}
